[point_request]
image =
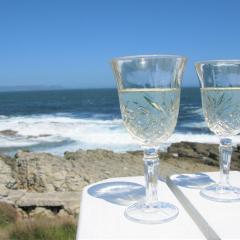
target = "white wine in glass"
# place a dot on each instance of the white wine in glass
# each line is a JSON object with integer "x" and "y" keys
{"x": 149, "y": 96}
{"x": 150, "y": 115}
{"x": 220, "y": 92}
{"x": 221, "y": 107}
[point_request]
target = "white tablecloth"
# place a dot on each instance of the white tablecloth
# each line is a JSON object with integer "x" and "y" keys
{"x": 102, "y": 213}
{"x": 216, "y": 220}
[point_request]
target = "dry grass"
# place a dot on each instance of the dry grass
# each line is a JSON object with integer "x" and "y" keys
{"x": 44, "y": 229}
{"x": 40, "y": 228}
{"x": 8, "y": 215}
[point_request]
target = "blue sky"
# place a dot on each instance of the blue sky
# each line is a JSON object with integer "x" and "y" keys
{"x": 70, "y": 43}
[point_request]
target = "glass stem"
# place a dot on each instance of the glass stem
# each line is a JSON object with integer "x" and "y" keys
{"x": 225, "y": 150}
{"x": 151, "y": 170}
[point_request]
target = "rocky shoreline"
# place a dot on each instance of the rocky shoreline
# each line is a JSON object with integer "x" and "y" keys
{"x": 48, "y": 185}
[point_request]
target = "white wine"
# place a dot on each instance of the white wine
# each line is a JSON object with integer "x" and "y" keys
{"x": 150, "y": 114}
{"x": 221, "y": 108}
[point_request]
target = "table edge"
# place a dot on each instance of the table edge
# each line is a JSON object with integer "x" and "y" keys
{"x": 199, "y": 220}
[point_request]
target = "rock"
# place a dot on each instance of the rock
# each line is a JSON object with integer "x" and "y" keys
{"x": 41, "y": 135}
{"x": 200, "y": 151}
{"x": 209, "y": 161}
{"x": 12, "y": 196}
{"x": 183, "y": 149}
{"x": 41, "y": 172}
{"x": 207, "y": 153}
{"x": 72, "y": 209}
{"x": 235, "y": 165}
{"x": 21, "y": 214}
{"x": 74, "y": 155}
{"x": 41, "y": 212}
{"x": 6, "y": 176}
{"x": 213, "y": 155}
{"x": 238, "y": 148}
{"x": 8, "y": 133}
{"x": 69, "y": 201}
{"x": 62, "y": 213}
{"x": 44, "y": 172}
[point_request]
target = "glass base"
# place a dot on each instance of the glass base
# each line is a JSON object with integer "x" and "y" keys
{"x": 158, "y": 212}
{"x": 219, "y": 193}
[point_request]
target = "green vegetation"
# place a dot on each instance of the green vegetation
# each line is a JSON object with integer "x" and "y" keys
{"x": 12, "y": 228}
{"x": 40, "y": 229}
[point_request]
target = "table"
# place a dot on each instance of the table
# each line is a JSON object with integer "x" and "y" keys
{"x": 215, "y": 219}
{"x": 102, "y": 213}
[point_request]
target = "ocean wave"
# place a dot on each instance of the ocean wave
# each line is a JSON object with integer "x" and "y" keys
{"x": 197, "y": 125}
{"x": 60, "y": 133}
{"x": 198, "y": 111}
{"x": 84, "y": 133}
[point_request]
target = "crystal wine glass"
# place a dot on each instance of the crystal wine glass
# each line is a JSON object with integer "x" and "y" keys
{"x": 220, "y": 92}
{"x": 149, "y": 95}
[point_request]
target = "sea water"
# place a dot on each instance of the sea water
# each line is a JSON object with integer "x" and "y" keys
{"x": 67, "y": 120}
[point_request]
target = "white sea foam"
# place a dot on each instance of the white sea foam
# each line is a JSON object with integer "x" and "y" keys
{"x": 59, "y": 133}
{"x": 194, "y": 110}
{"x": 198, "y": 111}
{"x": 198, "y": 125}
{"x": 82, "y": 133}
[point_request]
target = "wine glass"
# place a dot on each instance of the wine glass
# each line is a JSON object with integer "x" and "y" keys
{"x": 149, "y": 96}
{"x": 220, "y": 92}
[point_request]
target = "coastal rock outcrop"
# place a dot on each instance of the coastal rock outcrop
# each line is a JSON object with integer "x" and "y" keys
{"x": 6, "y": 175}
{"x": 206, "y": 153}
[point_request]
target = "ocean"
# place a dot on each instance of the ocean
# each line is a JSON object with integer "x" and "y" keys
{"x": 67, "y": 120}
